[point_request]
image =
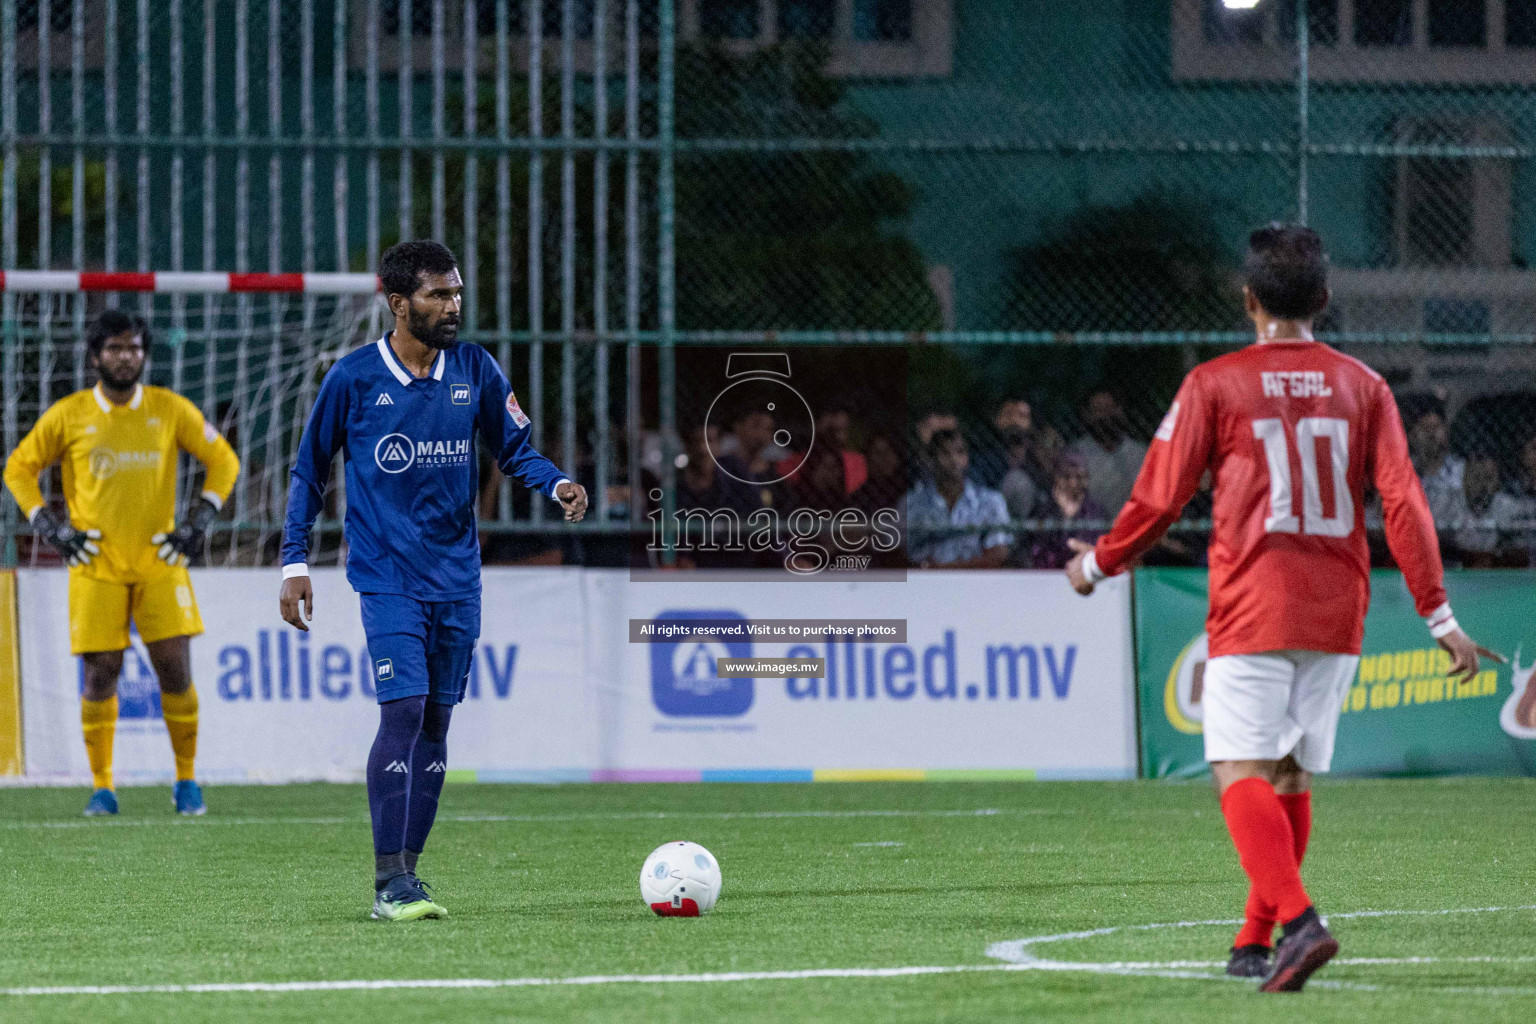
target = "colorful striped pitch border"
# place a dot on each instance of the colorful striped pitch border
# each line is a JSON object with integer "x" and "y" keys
{"x": 559, "y": 775}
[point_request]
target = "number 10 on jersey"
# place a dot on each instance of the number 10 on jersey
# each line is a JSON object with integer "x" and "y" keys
{"x": 1282, "y": 511}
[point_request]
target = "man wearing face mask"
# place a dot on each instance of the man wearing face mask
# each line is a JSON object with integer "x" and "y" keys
{"x": 127, "y": 558}
{"x": 405, "y": 410}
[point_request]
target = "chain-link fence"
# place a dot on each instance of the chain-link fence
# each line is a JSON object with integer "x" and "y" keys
{"x": 1042, "y": 204}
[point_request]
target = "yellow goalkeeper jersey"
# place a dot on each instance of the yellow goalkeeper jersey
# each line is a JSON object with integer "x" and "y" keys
{"x": 120, "y": 471}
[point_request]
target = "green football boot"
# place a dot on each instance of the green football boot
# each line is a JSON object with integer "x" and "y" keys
{"x": 404, "y": 898}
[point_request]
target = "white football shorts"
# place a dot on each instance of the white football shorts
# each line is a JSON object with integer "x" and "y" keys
{"x": 1261, "y": 707}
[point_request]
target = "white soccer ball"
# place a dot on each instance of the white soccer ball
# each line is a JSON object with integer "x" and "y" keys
{"x": 680, "y": 880}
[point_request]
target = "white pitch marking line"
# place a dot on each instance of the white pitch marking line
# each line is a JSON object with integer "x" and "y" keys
{"x": 591, "y": 979}
{"x": 1018, "y": 952}
{"x": 203, "y": 822}
{"x": 1016, "y": 948}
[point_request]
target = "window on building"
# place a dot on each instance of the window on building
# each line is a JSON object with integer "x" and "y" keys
{"x": 807, "y": 19}
{"x": 882, "y": 20}
{"x": 1322, "y": 21}
{"x": 1451, "y": 211}
{"x": 1465, "y": 42}
{"x": 1458, "y": 23}
{"x": 1383, "y": 22}
{"x": 61, "y": 16}
{"x": 1223, "y": 25}
{"x": 874, "y": 38}
{"x": 1520, "y": 22}
{"x": 729, "y": 19}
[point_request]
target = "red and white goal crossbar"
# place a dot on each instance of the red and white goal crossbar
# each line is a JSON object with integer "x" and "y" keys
{"x": 185, "y": 282}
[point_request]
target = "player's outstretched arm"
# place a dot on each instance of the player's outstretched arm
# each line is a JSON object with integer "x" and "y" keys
{"x": 509, "y": 432}
{"x": 324, "y": 435}
{"x": 1178, "y": 456}
{"x": 1411, "y": 536}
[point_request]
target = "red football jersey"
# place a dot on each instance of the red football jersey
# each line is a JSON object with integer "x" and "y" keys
{"x": 1291, "y": 431}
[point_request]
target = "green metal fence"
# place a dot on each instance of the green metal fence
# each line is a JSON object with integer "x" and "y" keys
{"x": 1042, "y": 200}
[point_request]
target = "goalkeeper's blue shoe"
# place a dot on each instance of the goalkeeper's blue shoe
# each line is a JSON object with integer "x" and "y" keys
{"x": 102, "y": 802}
{"x": 403, "y": 898}
{"x": 188, "y": 796}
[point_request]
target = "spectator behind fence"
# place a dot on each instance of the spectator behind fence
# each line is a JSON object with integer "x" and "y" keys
{"x": 887, "y": 479}
{"x": 1523, "y": 489}
{"x": 1017, "y": 486}
{"x": 1523, "y": 486}
{"x": 832, "y": 424}
{"x": 950, "y": 500}
{"x": 1069, "y": 499}
{"x": 1111, "y": 458}
{"x": 712, "y": 506}
{"x": 820, "y": 483}
{"x": 989, "y": 463}
{"x": 927, "y": 425}
{"x": 1487, "y": 519}
{"x": 1440, "y": 471}
{"x": 748, "y": 451}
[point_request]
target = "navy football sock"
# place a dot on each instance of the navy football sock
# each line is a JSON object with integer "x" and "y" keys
{"x": 389, "y": 772}
{"x": 429, "y": 767}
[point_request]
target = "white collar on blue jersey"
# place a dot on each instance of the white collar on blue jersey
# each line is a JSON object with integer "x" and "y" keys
{"x": 106, "y": 405}
{"x": 401, "y": 373}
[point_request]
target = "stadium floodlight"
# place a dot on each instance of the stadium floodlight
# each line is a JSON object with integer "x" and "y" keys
{"x": 1239, "y": 5}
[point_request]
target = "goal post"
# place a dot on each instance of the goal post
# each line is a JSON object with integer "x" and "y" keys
{"x": 247, "y": 349}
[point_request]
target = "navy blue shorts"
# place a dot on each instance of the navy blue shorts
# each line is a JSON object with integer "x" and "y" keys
{"x": 420, "y": 648}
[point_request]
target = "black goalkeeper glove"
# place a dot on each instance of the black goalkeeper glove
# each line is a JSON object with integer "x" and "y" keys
{"x": 178, "y": 546}
{"x": 77, "y": 546}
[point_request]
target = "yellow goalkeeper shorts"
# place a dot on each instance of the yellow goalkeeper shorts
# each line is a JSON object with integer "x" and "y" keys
{"x": 99, "y": 611}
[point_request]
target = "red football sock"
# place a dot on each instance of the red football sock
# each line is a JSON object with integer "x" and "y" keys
{"x": 1265, "y": 845}
{"x": 1258, "y": 923}
{"x": 1298, "y": 808}
{"x": 1259, "y": 917}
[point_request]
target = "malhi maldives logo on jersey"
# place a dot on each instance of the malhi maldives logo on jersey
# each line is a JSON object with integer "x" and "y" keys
{"x": 396, "y": 453}
{"x": 106, "y": 463}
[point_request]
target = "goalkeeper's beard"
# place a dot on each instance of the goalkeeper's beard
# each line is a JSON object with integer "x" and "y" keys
{"x": 120, "y": 381}
{"x": 441, "y": 335}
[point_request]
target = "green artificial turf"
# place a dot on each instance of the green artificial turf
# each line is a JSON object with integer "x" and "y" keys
{"x": 275, "y": 886}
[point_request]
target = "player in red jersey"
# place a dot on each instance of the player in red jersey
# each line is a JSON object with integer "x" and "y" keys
{"x": 1291, "y": 430}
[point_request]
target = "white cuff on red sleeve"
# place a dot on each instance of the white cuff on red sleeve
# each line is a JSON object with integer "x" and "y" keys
{"x": 1441, "y": 621}
{"x": 293, "y": 569}
{"x": 1091, "y": 571}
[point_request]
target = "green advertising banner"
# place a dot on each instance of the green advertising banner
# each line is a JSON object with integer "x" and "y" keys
{"x": 1402, "y": 716}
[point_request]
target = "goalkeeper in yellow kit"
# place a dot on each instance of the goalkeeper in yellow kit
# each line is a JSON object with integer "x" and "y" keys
{"x": 118, "y": 444}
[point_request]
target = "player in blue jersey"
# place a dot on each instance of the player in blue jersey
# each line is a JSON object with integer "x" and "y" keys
{"x": 404, "y": 411}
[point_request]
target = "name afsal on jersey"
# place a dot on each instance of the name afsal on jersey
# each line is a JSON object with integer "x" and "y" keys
{"x": 1296, "y": 383}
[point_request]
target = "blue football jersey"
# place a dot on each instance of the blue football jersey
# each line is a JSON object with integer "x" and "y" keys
{"x": 412, "y": 471}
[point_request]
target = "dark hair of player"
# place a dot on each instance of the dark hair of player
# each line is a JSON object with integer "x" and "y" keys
{"x": 110, "y": 324}
{"x": 1287, "y": 271}
{"x": 401, "y": 266}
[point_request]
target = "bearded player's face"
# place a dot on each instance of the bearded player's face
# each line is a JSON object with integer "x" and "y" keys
{"x": 434, "y": 312}
{"x": 121, "y": 360}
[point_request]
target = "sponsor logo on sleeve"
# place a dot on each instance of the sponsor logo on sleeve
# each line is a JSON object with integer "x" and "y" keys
{"x": 516, "y": 411}
{"x": 209, "y": 434}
